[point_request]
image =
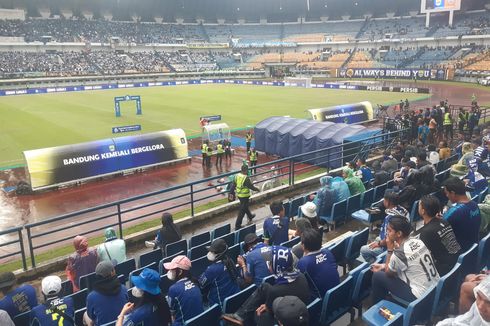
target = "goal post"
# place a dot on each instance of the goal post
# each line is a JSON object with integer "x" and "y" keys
{"x": 298, "y": 81}
{"x": 119, "y": 99}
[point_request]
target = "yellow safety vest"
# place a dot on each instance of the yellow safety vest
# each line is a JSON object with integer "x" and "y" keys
{"x": 248, "y": 138}
{"x": 219, "y": 148}
{"x": 204, "y": 148}
{"x": 241, "y": 191}
{"x": 253, "y": 156}
{"x": 447, "y": 119}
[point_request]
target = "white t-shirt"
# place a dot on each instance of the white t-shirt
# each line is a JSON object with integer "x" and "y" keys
{"x": 414, "y": 265}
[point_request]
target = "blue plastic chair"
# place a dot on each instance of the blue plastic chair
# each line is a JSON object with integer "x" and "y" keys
{"x": 210, "y": 317}
{"x": 229, "y": 239}
{"x": 414, "y": 212}
{"x": 367, "y": 198}
{"x": 87, "y": 281}
{"x": 125, "y": 267}
{"x": 112, "y": 323}
{"x": 240, "y": 234}
{"x": 153, "y": 256}
{"x": 165, "y": 284}
{"x": 447, "y": 290}
{"x": 234, "y": 252}
{"x": 379, "y": 192}
{"x": 79, "y": 299}
{"x": 199, "y": 266}
{"x": 79, "y": 316}
{"x": 22, "y": 319}
{"x": 161, "y": 268}
{"x": 338, "y": 214}
{"x": 416, "y": 313}
{"x": 337, "y": 302}
{"x": 484, "y": 253}
{"x": 221, "y": 231}
{"x": 468, "y": 260}
{"x": 269, "y": 279}
{"x": 356, "y": 241}
{"x": 354, "y": 203}
{"x": 362, "y": 288}
{"x": 291, "y": 243}
{"x": 233, "y": 302}
{"x": 198, "y": 251}
{"x": 314, "y": 312}
{"x": 66, "y": 287}
{"x": 174, "y": 247}
{"x": 138, "y": 271}
{"x": 199, "y": 239}
{"x": 338, "y": 249}
{"x": 294, "y": 205}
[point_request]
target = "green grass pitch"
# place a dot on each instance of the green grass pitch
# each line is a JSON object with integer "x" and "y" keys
{"x": 46, "y": 120}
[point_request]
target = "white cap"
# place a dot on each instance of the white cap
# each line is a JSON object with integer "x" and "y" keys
{"x": 309, "y": 209}
{"x": 51, "y": 285}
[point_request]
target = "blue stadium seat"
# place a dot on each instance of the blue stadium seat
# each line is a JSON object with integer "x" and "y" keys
{"x": 338, "y": 214}
{"x": 294, "y": 205}
{"x": 125, "y": 267}
{"x": 287, "y": 207}
{"x": 468, "y": 260}
{"x": 138, "y": 271}
{"x": 199, "y": 266}
{"x": 165, "y": 283}
{"x": 338, "y": 249}
{"x": 79, "y": 316}
{"x": 337, "y": 302}
{"x": 354, "y": 203}
{"x": 379, "y": 192}
{"x": 66, "y": 287}
{"x": 233, "y": 302}
{"x": 484, "y": 253}
{"x": 168, "y": 259}
{"x": 362, "y": 287}
{"x": 240, "y": 234}
{"x": 482, "y": 195}
{"x": 414, "y": 213}
{"x": 291, "y": 243}
{"x": 153, "y": 256}
{"x": 79, "y": 298}
{"x": 415, "y": 314}
{"x": 314, "y": 312}
{"x": 112, "y": 323}
{"x": 86, "y": 281}
{"x": 447, "y": 290}
{"x": 22, "y": 319}
{"x": 269, "y": 279}
{"x": 199, "y": 239}
{"x": 356, "y": 241}
{"x": 210, "y": 317}
{"x": 198, "y": 251}
{"x": 221, "y": 231}
{"x": 234, "y": 252}
{"x": 367, "y": 198}
{"x": 229, "y": 238}
{"x": 175, "y": 247}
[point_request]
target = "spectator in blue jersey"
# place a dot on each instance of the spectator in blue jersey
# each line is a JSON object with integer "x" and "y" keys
{"x": 107, "y": 298}
{"x": 257, "y": 309}
{"x": 16, "y": 300}
{"x": 220, "y": 279}
{"x": 150, "y": 307}
{"x": 366, "y": 173}
{"x": 253, "y": 263}
{"x": 391, "y": 204}
{"x": 317, "y": 264}
{"x": 463, "y": 215}
{"x": 276, "y": 227}
{"x": 184, "y": 297}
{"x": 324, "y": 198}
{"x": 481, "y": 155}
{"x": 474, "y": 180}
{"x": 82, "y": 262}
{"x": 55, "y": 311}
{"x": 113, "y": 248}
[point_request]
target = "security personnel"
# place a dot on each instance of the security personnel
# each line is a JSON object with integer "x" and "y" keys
{"x": 208, "y": 156}
{"x": 219, "y": 153}
{"x": 204, "y": 152}
{"x": 227, "y": 144}
{"x": 248, "y": 140}
{"x": 253, "y": 156}
{"x": 243, "y": 185}
{"x": 448, "y": 125}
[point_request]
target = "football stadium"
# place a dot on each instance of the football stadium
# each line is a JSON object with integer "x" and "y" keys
{"x": 210, "y": 162}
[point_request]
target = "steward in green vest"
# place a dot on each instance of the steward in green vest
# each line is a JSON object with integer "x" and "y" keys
{"x": 448, "y": 126}
{"x": 204, "y": 151}
{"x": 253, "y": 157}
{"x": 219, "y": 153}
{"x": 248, "y": 140}
{"x": 243, "y": 185}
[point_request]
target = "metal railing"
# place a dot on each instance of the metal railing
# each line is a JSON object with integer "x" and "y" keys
{"x": 13, "y": 245}
{"x": 50, "y": 233}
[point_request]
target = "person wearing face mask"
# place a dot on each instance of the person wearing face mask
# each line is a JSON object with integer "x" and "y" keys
{"x": 479, "y": 313}
{"x": 219, "y": 280}
{"x": 150, "y": 308}
{"x": 107, "y": 298}
{"x": 184, "y": 297}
